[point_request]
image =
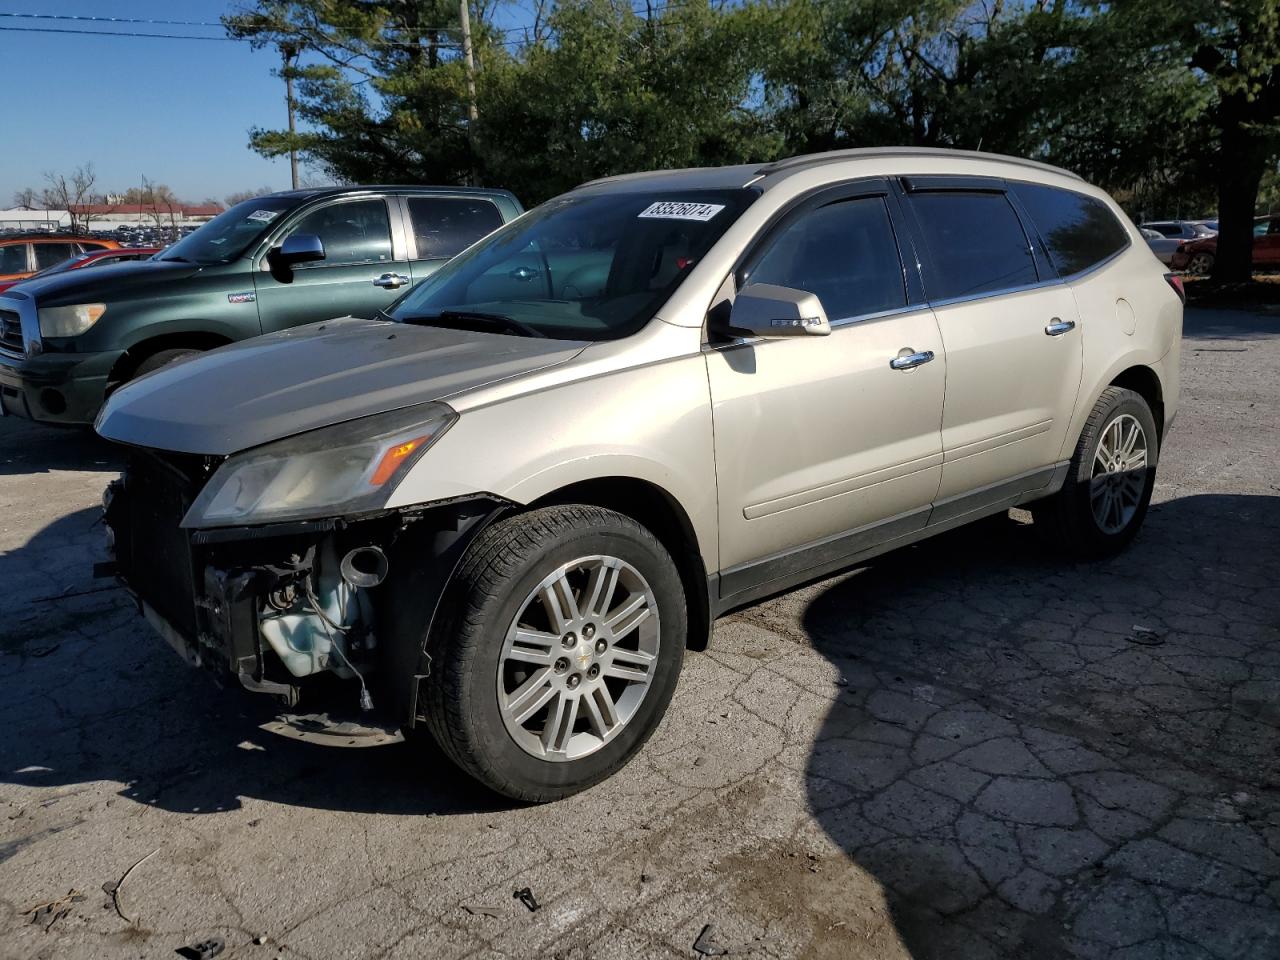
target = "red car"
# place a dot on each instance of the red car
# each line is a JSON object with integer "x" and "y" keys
{"x": 94, "y": 258}
{"x": 1197, "y": 256}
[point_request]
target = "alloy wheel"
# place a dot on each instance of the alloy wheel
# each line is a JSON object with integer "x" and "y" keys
{"x": 579, "y": 658}
{"x": 1119, "y": 474}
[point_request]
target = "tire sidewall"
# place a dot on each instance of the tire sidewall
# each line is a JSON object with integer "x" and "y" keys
{"x": 477, "y": 683}
{"x": 1082, "y": 473}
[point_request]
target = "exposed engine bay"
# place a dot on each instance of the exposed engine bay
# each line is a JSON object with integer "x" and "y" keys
{"x": 315, "y": 611}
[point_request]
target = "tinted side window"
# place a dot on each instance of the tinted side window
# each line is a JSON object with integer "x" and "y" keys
{"x": 47, "y": 254}
{"x": 355, "y": 232}
{"x": 13, "y": 258}
{"x": 844, "y": 252}
{"x": 86, "y": 247}
{"x": 975, "y": 244}
{"x": 1079, "y": 231}
{"x": 445, "y": 226}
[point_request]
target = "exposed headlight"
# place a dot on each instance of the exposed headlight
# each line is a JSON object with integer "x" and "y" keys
{"x": 340, "y": 470}
{"x": 69, "y": 321}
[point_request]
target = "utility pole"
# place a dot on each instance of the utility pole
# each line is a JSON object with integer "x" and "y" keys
{"x": 465, "y": 16}
{"x": 288, "y": 52}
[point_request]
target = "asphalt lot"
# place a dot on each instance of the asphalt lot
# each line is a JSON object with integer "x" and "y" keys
{"x": 963, "y": 750}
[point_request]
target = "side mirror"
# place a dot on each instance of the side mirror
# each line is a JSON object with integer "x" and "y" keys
{"x": 767, "y": 310}
{"x": 299, "y": 248}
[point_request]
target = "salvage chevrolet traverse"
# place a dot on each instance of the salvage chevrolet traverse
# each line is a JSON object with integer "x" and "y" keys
{"x": 503, "y": 515}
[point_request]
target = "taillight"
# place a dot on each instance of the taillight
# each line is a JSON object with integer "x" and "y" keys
{"x": 1175, "y": 281}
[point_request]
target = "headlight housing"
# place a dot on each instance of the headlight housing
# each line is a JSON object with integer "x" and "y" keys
{"x": 69, "y": 321}
{"x": 341, "y": 470}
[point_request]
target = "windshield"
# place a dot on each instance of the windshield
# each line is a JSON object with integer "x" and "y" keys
{"x": 229, "y": 234}
{"x": 578, "y": 268}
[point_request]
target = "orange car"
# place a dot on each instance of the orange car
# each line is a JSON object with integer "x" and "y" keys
{"x": 22, "y": 254}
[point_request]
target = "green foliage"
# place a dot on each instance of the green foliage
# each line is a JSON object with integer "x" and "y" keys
{"x": 1168, "y": 106}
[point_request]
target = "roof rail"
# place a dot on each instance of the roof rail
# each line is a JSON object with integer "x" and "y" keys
{"x": 869, "y": 153}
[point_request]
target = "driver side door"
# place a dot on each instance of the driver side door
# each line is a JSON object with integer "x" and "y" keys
{"x": 824, "y": 449}
{"x": 366, "y": 266}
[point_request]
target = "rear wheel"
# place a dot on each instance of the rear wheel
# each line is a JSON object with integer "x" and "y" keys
{"x": 560, "y": 651}
{"x": 1104, "y": 500}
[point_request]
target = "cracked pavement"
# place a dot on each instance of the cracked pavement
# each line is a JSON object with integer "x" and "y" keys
{"x": 966, "y": 749}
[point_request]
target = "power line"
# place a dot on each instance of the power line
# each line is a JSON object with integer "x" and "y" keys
{"x": 114, "y": 33}
{"x": 74, "y": 16}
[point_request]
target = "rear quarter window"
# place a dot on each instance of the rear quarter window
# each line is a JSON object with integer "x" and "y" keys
{"x": 1079, "y": 231}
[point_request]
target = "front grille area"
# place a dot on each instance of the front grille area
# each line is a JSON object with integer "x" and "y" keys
{"x": 11, "y": 334}
{"x": 152, "y": 550}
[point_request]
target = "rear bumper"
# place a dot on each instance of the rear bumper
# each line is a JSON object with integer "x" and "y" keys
{"x": 55, "y": 387}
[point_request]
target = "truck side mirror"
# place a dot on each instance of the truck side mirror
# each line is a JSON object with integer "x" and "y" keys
{"x": 299, "y": 248}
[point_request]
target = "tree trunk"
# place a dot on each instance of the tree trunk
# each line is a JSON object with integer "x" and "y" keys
{"x": 1241, "y": 163}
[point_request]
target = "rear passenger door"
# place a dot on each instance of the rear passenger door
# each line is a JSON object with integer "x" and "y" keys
{"x": 442, "y": 227}
{"x": 1012, "y": 339}
{"x": 365, "y": 267}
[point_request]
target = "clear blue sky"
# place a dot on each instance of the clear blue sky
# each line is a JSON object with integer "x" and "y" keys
{"x": 178, "y": 111}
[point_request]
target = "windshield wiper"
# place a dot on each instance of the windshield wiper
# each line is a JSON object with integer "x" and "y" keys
{"x": 176, "y": 260}
{"x": 476, "y": 320}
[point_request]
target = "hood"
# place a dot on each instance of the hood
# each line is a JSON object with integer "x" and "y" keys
{"x": 259, "y": 390}
{"x": 99, "y": 283}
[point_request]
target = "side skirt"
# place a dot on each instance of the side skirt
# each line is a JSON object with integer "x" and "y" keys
{"x": 749, "y": 582}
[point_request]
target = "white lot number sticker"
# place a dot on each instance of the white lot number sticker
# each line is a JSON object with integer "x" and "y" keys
{"x": 266, "y": 216}
{"x": 674, "y": 210}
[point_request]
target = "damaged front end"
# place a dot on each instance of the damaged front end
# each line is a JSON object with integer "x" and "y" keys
{"x": 327, "y": 614}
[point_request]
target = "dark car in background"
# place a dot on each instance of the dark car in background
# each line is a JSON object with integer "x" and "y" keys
{"x": 1199, "y": 256}
{"x": 66, "y": 341}
{"x": 94, "y": 258}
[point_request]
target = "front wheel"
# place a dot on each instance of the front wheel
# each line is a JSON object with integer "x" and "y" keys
{"x": 1104, "y": 500}
{"x": 558, "y": 653}
{"x": 1201, "y": 264}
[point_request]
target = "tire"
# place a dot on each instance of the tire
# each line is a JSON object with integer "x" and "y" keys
{"x": 162, "y": 358}
{"x": 1091, "y": 518}
{"x": 480, "y": 682}
{"x": 1201, "y": 263}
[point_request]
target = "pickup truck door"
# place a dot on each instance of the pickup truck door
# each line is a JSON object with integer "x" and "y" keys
{"x": 366, "y": 265}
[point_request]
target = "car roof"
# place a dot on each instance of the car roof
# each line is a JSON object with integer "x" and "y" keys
{"x": 38, "y": 235}
{"x": 312, "y": 193}
{"x": 765, "y": 175}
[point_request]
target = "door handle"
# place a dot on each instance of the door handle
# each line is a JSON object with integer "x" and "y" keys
{"x": 391, "y": 281}
{"x": 908, "y": 361}
{"x": 1057, "y": 328}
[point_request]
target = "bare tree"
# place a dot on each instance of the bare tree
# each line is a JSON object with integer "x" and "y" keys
{"x": 26, "y": 198}
{"x": 73, "y": 194}
{"x": 240, "y": 196}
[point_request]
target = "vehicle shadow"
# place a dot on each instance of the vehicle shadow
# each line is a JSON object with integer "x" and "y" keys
{"x": 1045, "y": 759}
{"x": 31, "y": 448}
{"x": 1214, "y": 323}
{"x": 92, "y": 694}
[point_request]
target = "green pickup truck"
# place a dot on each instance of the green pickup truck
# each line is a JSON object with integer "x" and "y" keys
{"x": 272, "y": 262}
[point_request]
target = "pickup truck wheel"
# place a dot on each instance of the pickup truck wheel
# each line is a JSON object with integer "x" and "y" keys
{"x": 1104, "y": 500}
{"x": 162, "y": 358}
{"x": 558, "y": 652}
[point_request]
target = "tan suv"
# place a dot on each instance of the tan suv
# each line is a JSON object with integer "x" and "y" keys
{"x": 504, "y": 509}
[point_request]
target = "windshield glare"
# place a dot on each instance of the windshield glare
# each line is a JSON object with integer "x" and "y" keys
{"x": 591, "y": 267}
{"x": 230, "y": 233}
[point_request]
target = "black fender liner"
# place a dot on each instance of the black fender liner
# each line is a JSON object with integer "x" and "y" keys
{"x": 422, "y": 564}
